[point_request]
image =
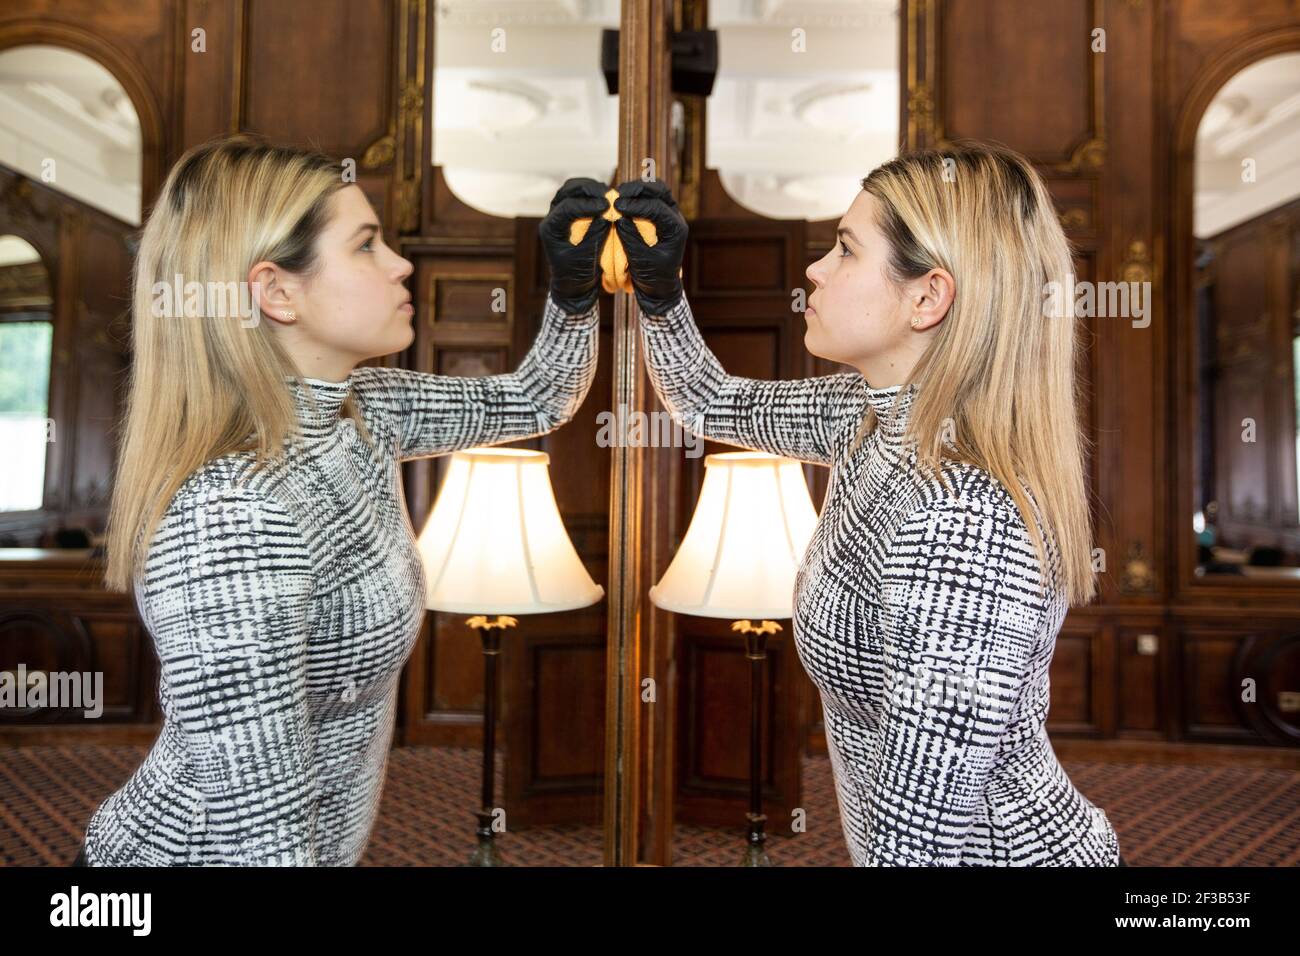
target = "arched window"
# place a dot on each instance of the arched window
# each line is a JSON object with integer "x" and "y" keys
{"x": 26, "y": 334}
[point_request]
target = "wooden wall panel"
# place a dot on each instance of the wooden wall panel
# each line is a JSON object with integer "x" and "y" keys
{"x": 1057, "y": 66}
{"x": 343, "y": 102}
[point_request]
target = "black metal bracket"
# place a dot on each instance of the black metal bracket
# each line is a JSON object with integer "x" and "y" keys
{"x": 695, "y": 61}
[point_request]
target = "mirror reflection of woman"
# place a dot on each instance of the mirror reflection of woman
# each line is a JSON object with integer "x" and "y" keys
{"x": 257, "y": 508}
{"x": 955, "y": 531}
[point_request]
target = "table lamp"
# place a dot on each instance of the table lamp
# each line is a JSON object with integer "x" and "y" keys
{"x": 738, "y": 560}
{"x": 494, "y": 544}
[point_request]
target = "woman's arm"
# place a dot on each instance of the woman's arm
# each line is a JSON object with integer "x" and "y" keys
{"x": 961, "y": 616}
{"x": 227, "y": 602}
{"x": 435, "y": 414}
{"x": 798, "y": 418}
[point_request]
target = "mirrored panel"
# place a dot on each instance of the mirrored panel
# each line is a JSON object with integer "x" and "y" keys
{"x": 520, "y": 105}
{"x": 67, "y": 122}
{"x": 1247, "y": 321}
{"x": 805, "y": 103}
{"x": 26, "y": 335}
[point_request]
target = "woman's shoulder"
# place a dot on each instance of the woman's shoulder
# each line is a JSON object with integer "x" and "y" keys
{"x": 962, "y": 485}
{"x": 236, "y": 476}
{"x": 972, "y": 497}
{"x": 221, "y": 502}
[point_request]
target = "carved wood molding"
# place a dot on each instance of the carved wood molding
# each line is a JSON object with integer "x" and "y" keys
{"x": 25, "y": 287}
{"x": 408, "y": 146}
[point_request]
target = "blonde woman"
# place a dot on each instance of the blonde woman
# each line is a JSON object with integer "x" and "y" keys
{"x": 955, "y": 529}
{"x": 257, "y": 509}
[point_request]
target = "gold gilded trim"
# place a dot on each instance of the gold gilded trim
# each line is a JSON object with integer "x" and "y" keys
{"x": 408, "y": 161}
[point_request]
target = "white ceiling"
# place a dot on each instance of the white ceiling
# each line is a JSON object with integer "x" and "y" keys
{"x": 61, "y": 106}
{"x": 1255, "y": 116}
{"x": 792, "y": 133}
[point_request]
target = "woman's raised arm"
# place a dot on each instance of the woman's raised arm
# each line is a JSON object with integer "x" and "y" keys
{"x": 434, "y": 414}
{"x": 797, "y": 418}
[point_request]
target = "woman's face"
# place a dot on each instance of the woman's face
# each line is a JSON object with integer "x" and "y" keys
{"x": 855, "y": 315}
{"x": 355, "y": 306}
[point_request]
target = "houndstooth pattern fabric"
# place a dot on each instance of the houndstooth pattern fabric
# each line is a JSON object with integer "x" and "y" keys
{"x": 920, "y": 616}
{"x": 284, "y": 604}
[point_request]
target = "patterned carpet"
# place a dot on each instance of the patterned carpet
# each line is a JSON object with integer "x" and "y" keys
{"x": 1166, "y": 814}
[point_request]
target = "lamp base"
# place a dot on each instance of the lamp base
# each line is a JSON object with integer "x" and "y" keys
{"x": 756, "y": 856}
{"x": 756, "y": 840}
{"x": 486, "y": 853}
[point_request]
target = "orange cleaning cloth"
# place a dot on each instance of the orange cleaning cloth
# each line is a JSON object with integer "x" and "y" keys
{"x": 613, "y": 258}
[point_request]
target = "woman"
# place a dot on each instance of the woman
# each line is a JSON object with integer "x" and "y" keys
{"x": 258, "y": 509}
{"x": 955, "y": 529}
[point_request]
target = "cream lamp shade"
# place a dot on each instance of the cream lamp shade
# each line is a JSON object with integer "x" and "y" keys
{"x": 494, "y": 542}
{"x": 751, "y": 527}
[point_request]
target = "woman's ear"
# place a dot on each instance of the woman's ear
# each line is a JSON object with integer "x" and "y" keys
{"x": 931, "y": 297}
{"x": 270, "y": 294}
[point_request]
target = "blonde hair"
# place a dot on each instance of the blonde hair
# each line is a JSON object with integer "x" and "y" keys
{"x": 1000, "y": 367}
{"x": 202, "y": 387}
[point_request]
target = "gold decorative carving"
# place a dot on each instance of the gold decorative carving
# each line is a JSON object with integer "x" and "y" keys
{"x": 1074, "y": 218}
{"x": 1137, "y": 265}
{"x": 1139, "y": 572}
{"x": 923, "y": 125}
{"x": 1088, "y": 155}
{"x": 380, "y": 152}
{"x": 408, "y": 149}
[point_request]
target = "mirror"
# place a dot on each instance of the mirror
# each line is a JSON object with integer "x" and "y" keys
{"x": 70, "y": 189}
{"x": 1246, "y": 231}
{"x": 805, "y": 103}
{"x": 520, "y": 105}
{"x": 26, "y": 336}
{"x": 69, "y": 124}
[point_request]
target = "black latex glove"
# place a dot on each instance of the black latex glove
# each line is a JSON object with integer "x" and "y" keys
{"x": 653, "y": 269}
{"x": 575, "y": 270}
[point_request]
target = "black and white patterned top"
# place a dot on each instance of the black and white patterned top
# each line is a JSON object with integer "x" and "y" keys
{"x": 919, "y": 616}
{"x": 284, "y": 604}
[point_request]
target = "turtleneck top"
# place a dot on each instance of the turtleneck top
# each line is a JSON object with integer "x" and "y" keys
{"x": 921, "y": 614}
{"x": 283, "y": 604}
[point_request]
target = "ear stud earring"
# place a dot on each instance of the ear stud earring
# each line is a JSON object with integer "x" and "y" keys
{"x": 294, "y": 315}
{"x": 915, "y": 319}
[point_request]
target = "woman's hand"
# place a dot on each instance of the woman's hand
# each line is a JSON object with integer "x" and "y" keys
{"x": 655, "y": 270}
{"x": 575, "y": 270}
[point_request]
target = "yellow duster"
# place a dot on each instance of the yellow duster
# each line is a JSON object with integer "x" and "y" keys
{"x": 613, "y": 258}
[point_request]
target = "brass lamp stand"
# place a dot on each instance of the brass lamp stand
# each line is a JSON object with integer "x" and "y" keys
{"x": 756, "y": 653}
{"x": 486, "y": 853}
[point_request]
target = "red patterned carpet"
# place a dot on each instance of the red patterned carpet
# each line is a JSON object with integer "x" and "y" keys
{"x": 1166, "y": 814}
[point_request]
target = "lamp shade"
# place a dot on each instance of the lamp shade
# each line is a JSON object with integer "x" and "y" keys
{"x": 495, "y": 544}
{"x": 751, "y": 527}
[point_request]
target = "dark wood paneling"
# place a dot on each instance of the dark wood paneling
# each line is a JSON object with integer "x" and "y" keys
{"x": 55, "y": 617}
{"x": 1211, "y": 704}
{"x": 340, "y": 109}
{"x": 714, "y": 725}
{"x": 554, "y": 718}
